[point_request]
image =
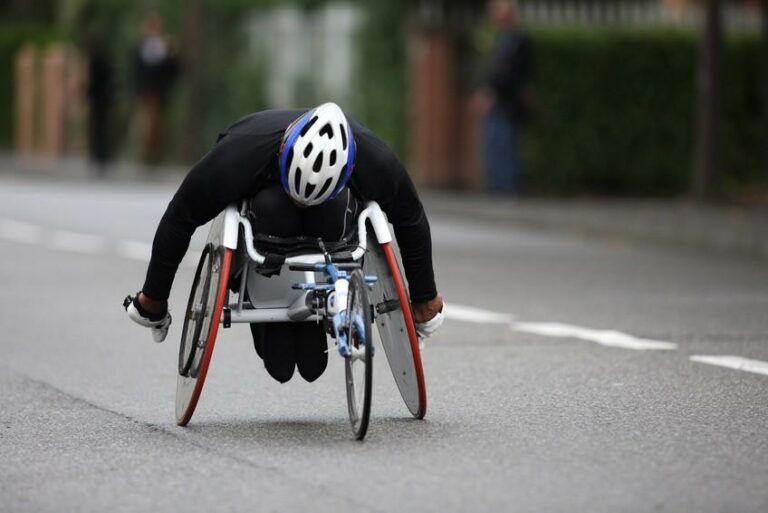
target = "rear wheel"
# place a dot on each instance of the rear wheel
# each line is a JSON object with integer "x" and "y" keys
{"x": 397, "y": 332}
{"x": 359, "y": 365}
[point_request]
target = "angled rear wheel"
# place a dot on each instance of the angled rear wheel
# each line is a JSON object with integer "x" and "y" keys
{"x": 394, "y": 321}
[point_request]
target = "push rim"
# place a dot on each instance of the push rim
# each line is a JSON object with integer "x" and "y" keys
{"x": 197, "y": 308}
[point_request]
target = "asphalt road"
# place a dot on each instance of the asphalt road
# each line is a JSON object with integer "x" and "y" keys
{"x": 585, "y": 398}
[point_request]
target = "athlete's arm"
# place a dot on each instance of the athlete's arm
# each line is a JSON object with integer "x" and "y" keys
{"x": 228, "y": 172}
{"x": 415, "y": 240}
{"x": 381, "y": 176}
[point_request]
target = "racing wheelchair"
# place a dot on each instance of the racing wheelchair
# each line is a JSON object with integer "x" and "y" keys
{"x": 346, "y": 288}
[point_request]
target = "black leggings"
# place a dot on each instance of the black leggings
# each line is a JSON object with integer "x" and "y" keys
{"x": 286, "y": 345}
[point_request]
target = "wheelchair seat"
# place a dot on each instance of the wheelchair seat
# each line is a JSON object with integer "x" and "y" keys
{"x": 279, "y": 248}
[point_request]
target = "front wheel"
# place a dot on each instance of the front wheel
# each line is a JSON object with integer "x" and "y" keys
{"x": 359, "y": 365}
{"x": 201, "y": 326}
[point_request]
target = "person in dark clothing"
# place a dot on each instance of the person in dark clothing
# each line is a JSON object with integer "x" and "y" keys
{"x": 100, "y": 95}
{"x": 296, "y": 168}
{"x": 155, "y": 68}
{"x": 508, "y": 97}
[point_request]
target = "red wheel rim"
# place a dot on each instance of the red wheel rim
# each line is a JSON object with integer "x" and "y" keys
{"x": 410, "y": 326}
{"x": 212, "y": 333}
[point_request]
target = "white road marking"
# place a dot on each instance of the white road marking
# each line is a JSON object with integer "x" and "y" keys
{"x": 134, "y": 249}
{"x": 27, "y": 233}
{"x": 608, "y": 338}
{"x": 77, "y": 242}
{"x": 463, "y": 313}
{"x": 17, "y": 231}
{"x": 733, "y": 362}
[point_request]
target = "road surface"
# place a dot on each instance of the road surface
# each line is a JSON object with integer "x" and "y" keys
{"x": 572, "y": 375}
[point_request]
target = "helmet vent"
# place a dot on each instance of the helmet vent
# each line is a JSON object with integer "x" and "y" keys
{"x": 333, "y": 157}
{"x": 297, "y": 180}
{"x": 343, "y": 137}
{"x": 327, "y": 130}
{"x": 318, "y": 165}
{"x": 308, "y": 126}
{"x": 325, "y": 187}
{"x": 308, "y": 150}
{"x": 310, "y": 188}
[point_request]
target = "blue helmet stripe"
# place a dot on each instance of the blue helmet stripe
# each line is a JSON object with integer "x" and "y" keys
{"x": 292, "y": 137}
{"x": 350, "y": 162}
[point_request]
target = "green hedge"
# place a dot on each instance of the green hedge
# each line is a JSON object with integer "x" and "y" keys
{"x": 12, "y": 36}
{"x": 381, "y": 88}
{"x": 615, "y": 111}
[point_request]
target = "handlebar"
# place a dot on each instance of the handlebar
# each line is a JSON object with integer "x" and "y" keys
{"x": 372, "y": 213}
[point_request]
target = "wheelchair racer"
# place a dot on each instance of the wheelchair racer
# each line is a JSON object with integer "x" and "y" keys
{"x": 304, "y": 173}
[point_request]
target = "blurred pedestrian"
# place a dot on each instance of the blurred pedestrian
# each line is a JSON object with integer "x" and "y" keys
{"x": 156, "y": 67}
{"x": 100, "y": 94}
{"x": 507, "y": 97}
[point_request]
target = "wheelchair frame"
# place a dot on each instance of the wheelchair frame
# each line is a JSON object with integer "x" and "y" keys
{"x": 393, "y": 317}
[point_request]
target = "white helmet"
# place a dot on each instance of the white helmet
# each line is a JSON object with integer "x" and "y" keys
{"x": 317, "y": 155}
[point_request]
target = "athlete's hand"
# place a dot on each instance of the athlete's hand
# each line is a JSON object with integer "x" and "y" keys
{"x": 428, "y": 316}
{"x": 158, "y": 322}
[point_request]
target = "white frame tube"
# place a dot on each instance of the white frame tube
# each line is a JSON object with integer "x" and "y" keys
{"x": 265, "y": 315}
{"x": 372, "y": 213}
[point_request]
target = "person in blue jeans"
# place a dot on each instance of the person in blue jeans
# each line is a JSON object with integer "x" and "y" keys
{"x": 507, "y": 98}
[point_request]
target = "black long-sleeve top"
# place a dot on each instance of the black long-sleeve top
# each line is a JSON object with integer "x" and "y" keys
{"x": 511, "y": 71}
{"x": 245, "y": 160}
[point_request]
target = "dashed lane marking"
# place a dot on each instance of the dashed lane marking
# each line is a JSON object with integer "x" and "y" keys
{"x": 27, "y": 233}
{"x": 733, "y": 362}
{"x": 607, "y": 338}
{"x": 77, "y": 242}
{"x": 463, "y": 313}
{"x": 133, "y": 249}
{"x": 17, "y": 231}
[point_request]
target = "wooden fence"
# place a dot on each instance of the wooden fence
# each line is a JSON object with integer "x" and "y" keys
{"x": 49, "y": 107}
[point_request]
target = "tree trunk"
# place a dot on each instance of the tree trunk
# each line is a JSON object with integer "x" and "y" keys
{"x": 708, "y": 115}
{"x": 764, "y": 18}
{"x": 192, "y": 60}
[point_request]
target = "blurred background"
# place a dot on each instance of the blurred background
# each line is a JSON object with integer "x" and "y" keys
{"x": 596, "y": 178}
{"x": 660, "y": 98}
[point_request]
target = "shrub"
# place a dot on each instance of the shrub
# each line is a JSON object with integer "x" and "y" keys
{"x": 616, "y": 111}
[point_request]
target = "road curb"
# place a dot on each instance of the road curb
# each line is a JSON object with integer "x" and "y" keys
{"x": 717, "y": 228}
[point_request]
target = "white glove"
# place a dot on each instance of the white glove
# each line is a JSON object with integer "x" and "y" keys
{"x": 426, "y": 329}
{"x": 158, "y": 327}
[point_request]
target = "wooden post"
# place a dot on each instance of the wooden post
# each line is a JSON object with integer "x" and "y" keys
{"x": 470, "y": 174}
{"x": 434, "y": 108}
{"x": 26, "y": 92}
{"x": 53, "y": 101}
